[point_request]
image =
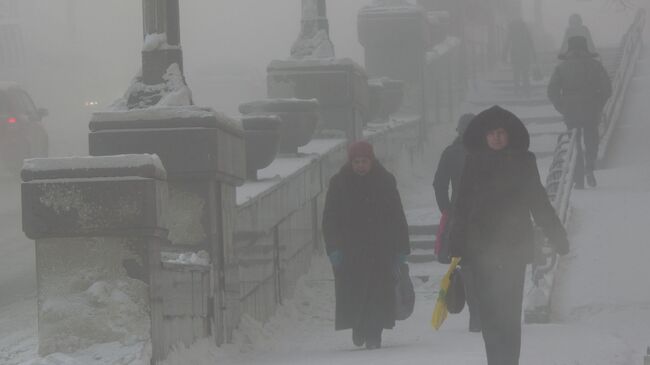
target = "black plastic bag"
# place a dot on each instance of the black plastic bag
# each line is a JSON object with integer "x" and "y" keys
{"x": 404, "y": 294}
{"x": 455, "y": 298}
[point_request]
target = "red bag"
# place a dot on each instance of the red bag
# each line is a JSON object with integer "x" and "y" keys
{"x": 441, "y": 232}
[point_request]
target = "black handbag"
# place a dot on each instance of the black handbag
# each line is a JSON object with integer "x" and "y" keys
{"x": 404, "y": 294}
{"x": 455, "y": 298}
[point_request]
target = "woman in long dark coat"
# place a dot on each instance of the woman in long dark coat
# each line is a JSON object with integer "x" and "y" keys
{"x": 366, "y": 234}
{"x": 491, "y": 224}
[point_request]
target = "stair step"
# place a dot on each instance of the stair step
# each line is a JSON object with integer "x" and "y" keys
{"x": 427, "y": 244}
{"x": 420, "y": 255}
{"x": 421, "y": 258}
{"x": 510, "y": 102}
{"x": 431, "y": 229}
{"x": 543, "y": 120}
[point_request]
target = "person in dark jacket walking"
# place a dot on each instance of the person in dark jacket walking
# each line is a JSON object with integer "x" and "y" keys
{"x": 520, "y": 50}
{"x": 579, "y": 89}
{"x": 491, "y": 225}
{"x": 449, "y": 171}
{"x": 366, "y": 236}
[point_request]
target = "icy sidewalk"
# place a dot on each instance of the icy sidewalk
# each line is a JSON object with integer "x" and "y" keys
{"x": 603, "y": 285}
{"x": 303, "y": 333}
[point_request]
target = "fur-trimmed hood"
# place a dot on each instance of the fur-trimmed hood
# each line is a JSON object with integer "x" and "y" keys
{"x": 491, "y": 119}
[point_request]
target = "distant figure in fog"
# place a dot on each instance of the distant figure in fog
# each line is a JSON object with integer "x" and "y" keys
{"x": 579, "y": 89}
{"x": 491, "y": 227}
{"x": 367, "y": 238}
{"x": 577, "y": 29}
{"x": 450, "y": 168}
{"x": 520, "y": 51}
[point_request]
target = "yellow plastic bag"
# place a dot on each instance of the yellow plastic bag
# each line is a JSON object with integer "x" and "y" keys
{"x": 440, "y": 311}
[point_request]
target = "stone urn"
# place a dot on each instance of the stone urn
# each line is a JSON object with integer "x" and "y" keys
{"x": 393, "y": 96}
{"x": 299, "y": 119}
{"x": 262, "y": 134}
{"x": 376, "y": 101}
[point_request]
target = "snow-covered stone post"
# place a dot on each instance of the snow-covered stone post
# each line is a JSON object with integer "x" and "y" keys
{"x": 162, "y": 39}
{"x": 396, "y": 36}
{"x": 204, "y": 155}
{"x": 314, "y": 39}
{"x": 312, "y": 72}
{"x": 99, "y": 224}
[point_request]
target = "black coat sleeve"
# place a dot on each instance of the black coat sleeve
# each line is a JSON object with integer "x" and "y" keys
{"x": 333, "y": 215}
{"x": 459, "y": 223}
{"x": 441, "y": 182}
{"x": 543, "y": 212}
{"x": 401, "y": 228}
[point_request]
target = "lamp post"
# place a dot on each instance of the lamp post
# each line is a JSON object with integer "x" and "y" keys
{"x": 313, "y": 41}
{"x": 538, "y": 14}
{"x": 161, "y": 26}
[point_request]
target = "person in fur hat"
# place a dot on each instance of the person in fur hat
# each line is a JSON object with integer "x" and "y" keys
{"x": 366, "y": 237}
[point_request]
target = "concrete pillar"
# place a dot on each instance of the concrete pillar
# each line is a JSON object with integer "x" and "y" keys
{"x": 396, "y": 39}
{"x": 312, "y": 72}
{"x": 161, "y": 25}
{"x": 99, "y": 224}
{"x": 204, "y": 155}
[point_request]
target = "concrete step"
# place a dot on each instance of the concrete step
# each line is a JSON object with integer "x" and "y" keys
{"x": 420, "y": 256}
{"x": 423, "y": 230}
{"x": 509, "y": 101}
{"x": 418, "y": 259}
{"x": 424, "y": 242}
{"x": 543, "y": 120}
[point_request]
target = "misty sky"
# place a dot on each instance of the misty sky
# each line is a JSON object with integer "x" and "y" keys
{"x": 90, "y": 49}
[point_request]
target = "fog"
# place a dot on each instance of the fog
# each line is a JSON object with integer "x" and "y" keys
{"x": 80, "y": 51}
{"x": 81, "y": 55}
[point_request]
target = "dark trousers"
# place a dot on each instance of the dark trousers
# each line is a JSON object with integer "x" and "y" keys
{"x": 499, "y": 287}
{"x": 587, "y": 155}
{"x": 471, "y": 298}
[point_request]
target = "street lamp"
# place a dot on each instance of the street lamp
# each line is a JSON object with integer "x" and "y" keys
{"x": 161, "y": 20}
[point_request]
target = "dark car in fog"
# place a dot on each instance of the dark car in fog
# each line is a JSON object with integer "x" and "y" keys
{"x": 22, "y": 134}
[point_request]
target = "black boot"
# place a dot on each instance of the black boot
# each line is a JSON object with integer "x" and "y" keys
{"x": 358, "y": 337}
{"x": 373, "y": 339}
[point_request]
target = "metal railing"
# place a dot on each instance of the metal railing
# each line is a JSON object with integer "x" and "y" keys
{"x": 629, "y": 53}
{"x": 559, "y": 182}
{"x": 271, "y": 263}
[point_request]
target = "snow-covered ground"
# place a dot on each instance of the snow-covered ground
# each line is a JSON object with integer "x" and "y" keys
{"x": 601, "y": 304}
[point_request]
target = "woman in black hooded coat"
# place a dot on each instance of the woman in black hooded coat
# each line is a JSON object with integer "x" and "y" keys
{"x": 491, "y": 224}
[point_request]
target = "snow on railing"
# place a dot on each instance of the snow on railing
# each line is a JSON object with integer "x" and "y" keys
{"x": 629, "y": 53}
{"x": 559, "y": 182}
